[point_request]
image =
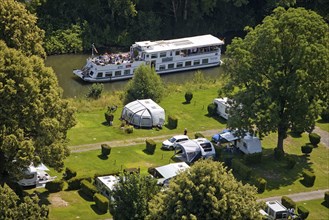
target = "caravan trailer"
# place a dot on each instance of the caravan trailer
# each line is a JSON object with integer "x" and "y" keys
{"x": 222, "y": 107}
{"x": 36, "y": 176}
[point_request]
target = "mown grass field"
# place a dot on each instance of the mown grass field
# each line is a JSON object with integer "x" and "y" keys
{"x": 91, "y": 128}
{"x": 318, "y": 210}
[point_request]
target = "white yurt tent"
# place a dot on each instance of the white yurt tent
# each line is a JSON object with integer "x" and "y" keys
{"x": 143, "y": 113}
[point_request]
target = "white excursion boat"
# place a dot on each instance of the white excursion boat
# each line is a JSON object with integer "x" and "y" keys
{"x": 165, "y": 56}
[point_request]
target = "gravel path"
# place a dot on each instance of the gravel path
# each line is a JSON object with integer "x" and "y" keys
{"x": 324, "y": 136}
{"x": 297, "y": 197}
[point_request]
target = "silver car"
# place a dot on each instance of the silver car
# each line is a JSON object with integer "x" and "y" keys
{"x": 171, "y": 142}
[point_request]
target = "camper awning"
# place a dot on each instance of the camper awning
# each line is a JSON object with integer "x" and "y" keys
{"x": 171, "y": 170}
{"x": 229, "y": 136}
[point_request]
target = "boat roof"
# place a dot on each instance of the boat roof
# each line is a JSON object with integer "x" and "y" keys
{"x": 181, "y": 43}
{"x": 171, "y": 170}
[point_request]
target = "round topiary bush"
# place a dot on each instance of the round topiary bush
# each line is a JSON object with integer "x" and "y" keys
{"x": 212, "y": 109}
{"x": 307, "y": 149}
{"x": 314, "y": 138}
{"x": 188, "y": 96}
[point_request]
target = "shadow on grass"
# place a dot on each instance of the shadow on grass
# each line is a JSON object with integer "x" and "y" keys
{"x": 186, "y": 103}
{"x": 276, "y": 172}
{"x": 96, "y": 210}
{"x": 169, "y": 127}
{"x": 325, "y": 204}
{"x": 43, "y": 198}
{"x": 148, "y": 152}
{"x": 105, "y": 124}
{"x": 217, "y": 118}
{"x": 102, "y": 157}
{"x": 84, "y": 196}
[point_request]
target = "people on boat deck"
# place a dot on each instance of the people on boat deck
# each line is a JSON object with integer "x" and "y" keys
{"x": 112, "y": 59}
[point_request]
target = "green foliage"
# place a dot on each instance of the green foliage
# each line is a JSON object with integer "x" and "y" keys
{"x": 106, "y": 149}
{"x": 212, "y": 109}
{"x": 303, "y": 212}
{"x": 109, "y": 116}
{"x": 19, "y": 30}
{"x": 133, "y": 191}
{"x": 188, "y": 96}
{"x": 325, "y": 115}
{"x": 307, "y": 149}
{"x": 146, "y": 84}
{"x": 288, "y": 202}
{"x": 12, "y": 207}
{"x": 277, "y": 84}
{"x": 88, "y": 188}
{"x": 39, "y": 117}
{"x": 326, "y": 198}
{"x": 55, "y": 186}
{"x": 64, "y": 41}
{"x": 314, "y": 138}
{"x": 69, "y": 173}
{"x": 129, "y": 129}
{"x": 261, "y": 185}
{"x": 291, "y": 162}
{"x": 254, "y": 158}
{"x": 150, "y": 146}
{"x": 95, "y": 91}
{"x": 102, "y": 203}
{"x": 241, "y": 169}
{"x": 308, "y": 178}
{"x": 204, "y": 193}
{"x": 172, "y": 121}
{"x": 198, "y": 135}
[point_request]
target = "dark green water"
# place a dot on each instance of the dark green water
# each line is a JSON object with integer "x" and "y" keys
{"x": 63, "y": 66}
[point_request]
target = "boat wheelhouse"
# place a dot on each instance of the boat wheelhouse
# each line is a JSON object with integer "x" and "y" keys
{"x": 165, "y": 56}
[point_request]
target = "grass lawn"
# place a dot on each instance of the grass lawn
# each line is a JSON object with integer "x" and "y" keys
{"x": 323, "y": 125}
{"x": 317, "y": 209}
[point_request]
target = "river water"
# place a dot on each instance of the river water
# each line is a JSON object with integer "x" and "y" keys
{"x": 73, "y": 86}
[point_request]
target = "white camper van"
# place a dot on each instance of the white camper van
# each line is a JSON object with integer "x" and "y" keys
{"x": 275, "y": 211}
{"x": 222, "y": 107}
{"x": 36, "y": 176}
{"x": 249, "y": 144}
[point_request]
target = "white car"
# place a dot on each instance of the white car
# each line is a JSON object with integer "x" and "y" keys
{"x": 171, "y": 142}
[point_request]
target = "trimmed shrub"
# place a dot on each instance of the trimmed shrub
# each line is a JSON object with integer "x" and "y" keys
{"x": 288, "y": 202}
{"x": 278, "y": 154}
{"x": 254, "y": 158}
{"x": 106, "y": 150}
{"x": 307, "y": 149}
{"x": 243, "y": 171}
{"x": 212, "y": 109}
{"x": 261, "y": 184}
{"x": 69, "y": 173}
{"x": 303, "y": 212}
{"x": 101, "y": 202}
{"x": 109, "y": 117}
{"x": 326, "y": 198}
{"x": 309, "y": 178}
{"x": 129, "y": 129}
{"x": 172, "y": 121}
{"x": 150, "y": 146}
{"x": 75, "y": 183}
{"x": 88, "y": 188}
{"x": 95, "y": 90}
{"x": 188, "y": 96}
{"x": 314, "y": 138}
{"x": 325, "y": 115}
{"x": 198, "y": 135}
{"x": 291, "y": 162}
{"x": 55, "y": 186}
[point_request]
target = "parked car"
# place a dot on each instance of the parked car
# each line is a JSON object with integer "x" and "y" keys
{"x": 171, "y": 142}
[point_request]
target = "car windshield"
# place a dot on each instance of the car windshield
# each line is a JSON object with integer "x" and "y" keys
{"x": 172, "y": 140}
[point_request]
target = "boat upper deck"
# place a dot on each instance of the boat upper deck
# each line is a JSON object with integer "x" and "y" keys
{"x": 179, "y": 44}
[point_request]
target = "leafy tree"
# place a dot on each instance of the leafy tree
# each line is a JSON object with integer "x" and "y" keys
{"x": 34, "y": 119}
{"x": 19, "y": 30}
{"x": 206, "y": 191}
{"x": 279, "y": 73}
{"x": 131, "y": 196}
{"x": 11, "y": 207}
{"x": 146, "y": 84}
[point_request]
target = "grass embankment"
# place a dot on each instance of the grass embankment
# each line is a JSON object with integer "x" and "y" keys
{"x": 91, "y": 128}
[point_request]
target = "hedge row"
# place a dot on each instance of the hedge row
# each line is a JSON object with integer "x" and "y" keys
{"x": 75, "y": 183}
{"x": 243, "y": 171}
{"x": 172, "y": 122}
{"x": 69, "y": 173}
{"x": 288, "y": 202}
{"x": 101, "y": 202}
{"x": 309, "y": 178}
{"x": 88, "y": 188}
{"x": 303, "y": 212}
{"x": 55, "y": 186}
{"x": 150, "y": 146}
{"x": 326, "y": 197}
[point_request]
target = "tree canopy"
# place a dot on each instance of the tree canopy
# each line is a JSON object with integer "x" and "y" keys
{"x": 34, "y": 119}
{"x": 131, "y": 196}
{"x": 12, "y": 207}
{"x": 18, "y": 28}
{"x": 146, "y": 84}
{"x": 205, "y": 191}
{"x": 279, "y": 73}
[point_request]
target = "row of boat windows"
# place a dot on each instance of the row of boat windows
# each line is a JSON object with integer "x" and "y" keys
{"x": 161, "y": 67}
{"x": 185, "y": 52}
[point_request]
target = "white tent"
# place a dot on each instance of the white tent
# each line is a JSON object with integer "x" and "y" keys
{"x": 143, "y": 113}
{"x": 249, "y": 144}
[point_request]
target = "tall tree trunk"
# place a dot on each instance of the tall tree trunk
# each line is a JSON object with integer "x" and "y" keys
{"x": 282, "y": 134}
